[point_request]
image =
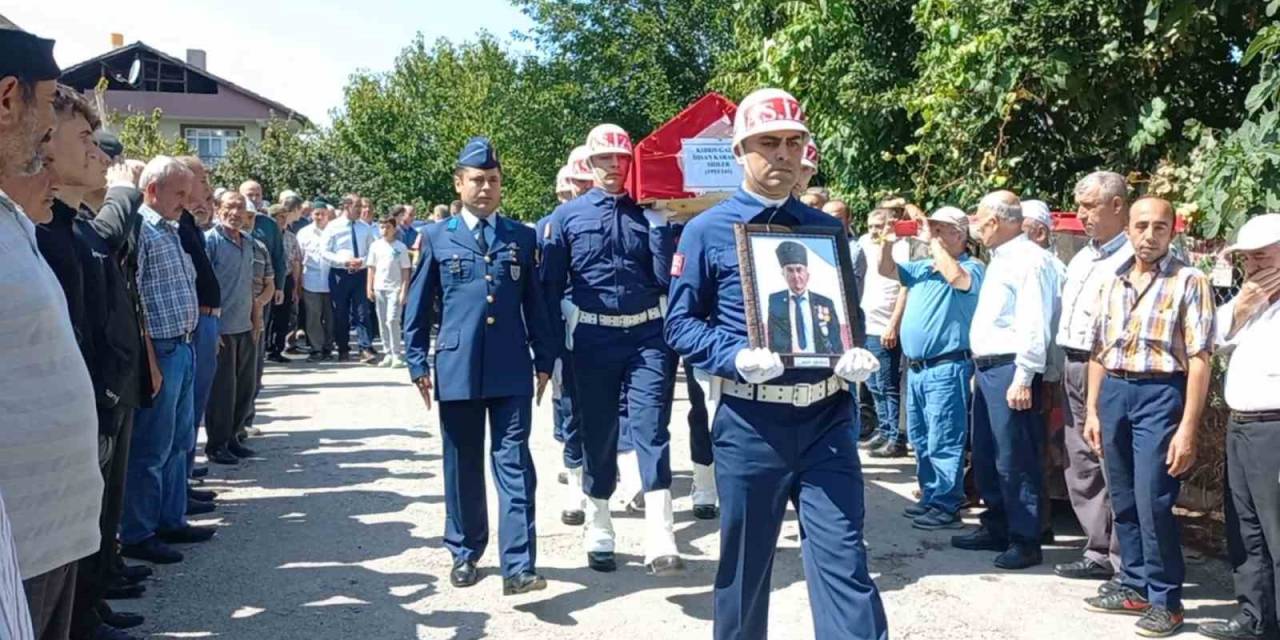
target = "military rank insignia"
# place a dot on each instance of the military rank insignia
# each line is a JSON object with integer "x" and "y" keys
{"x": 824, "y": 319}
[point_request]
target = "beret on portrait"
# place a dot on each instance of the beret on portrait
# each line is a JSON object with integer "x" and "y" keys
{"x": 27, "y": 56}
{"x": 791, "y": 252}
{"x": 478, "y": 153}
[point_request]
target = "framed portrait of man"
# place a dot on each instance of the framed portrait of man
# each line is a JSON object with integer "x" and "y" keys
{"x": 800, "y": 293}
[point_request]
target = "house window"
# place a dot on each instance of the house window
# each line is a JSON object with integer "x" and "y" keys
{"x": 210, "y": 143}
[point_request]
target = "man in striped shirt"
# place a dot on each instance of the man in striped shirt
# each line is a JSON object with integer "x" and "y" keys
{"x": 1148, "y": 379}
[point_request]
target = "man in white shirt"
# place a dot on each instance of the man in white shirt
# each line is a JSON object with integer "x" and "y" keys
{"x": 345, "y": 244}
{"x": 1248, "y": 326}
{"x": 1010, "y": 337}
{"x": 317, "y": 312}
{"x": 883, "y": 301}
{"x": 1102, "y": 206}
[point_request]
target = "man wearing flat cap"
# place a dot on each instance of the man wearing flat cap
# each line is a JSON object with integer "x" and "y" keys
{"x": 482, "y": 266}
{"x": 801, "y": 321}
{"x": 50, "y": 423}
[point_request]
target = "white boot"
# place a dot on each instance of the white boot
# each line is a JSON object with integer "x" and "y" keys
{"x": 704, "y": 492}
{"x": 572, "y": 512}
{"x": 597, "y": 538}
{"x": 629, "y": 485}
{"x": 660, "y": 554}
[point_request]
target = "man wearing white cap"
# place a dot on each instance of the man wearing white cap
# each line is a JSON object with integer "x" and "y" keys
{"x": 1247, "y": 327}
{"x": 606, "y": 264}
{"x": 941, "y": 300}
{"x": 780, "y": 434}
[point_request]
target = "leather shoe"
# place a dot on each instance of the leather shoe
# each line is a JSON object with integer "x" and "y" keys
{"x": 123, "y": 619}
{"x": 979, "y": 540}
{"x": 240, "y": 451}
{"x": 199, "y": 507}
{"x": 602, "y": 561}
{"x": 889, "y": 450}
{"x": 665, "y": 566}
{"x": 199, "y": 472}
{"x": 108, "y": 632}
{"x": 1083, "y": 569}
{"x": 706, "y": 511}
{"x": 874, "y": 443}
{"x": 151, "y": 550}
{"x": 1232, "y": 629}
{"x": 222, "y": 456}
{"x": 464, "y": 574}
{"x": 133, "y": 572}
{"x": 203, "y": 495}
{"x": 277, "y": 358}
{"x": 123, "y": 591}
{"x": 573, "y": 517}
{"x": 1018, "y": 557}
{"x": 187, "y": 535}
{"x": 344, "y": 356}
{"x": 523, "y": 582}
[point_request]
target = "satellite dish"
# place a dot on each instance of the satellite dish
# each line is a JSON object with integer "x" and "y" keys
{"x": 135, "y": 71}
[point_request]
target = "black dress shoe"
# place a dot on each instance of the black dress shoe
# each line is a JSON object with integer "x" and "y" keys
{"x": 874, "y": 443}
{"x": 133, "y": 572}
{"x": 1083, "y": 569}
{"x": 203, "y": 495}
{"x": 573, "y": 517}
{"x": 315, "y": 357}
{"x": 151, "y": 550}
{"x": 889, "y": 450}
{"x": 464, "y": 574}
{"x": 187, "y": 535}
{"x": 706, "y": 511}
{"x": 1018, "y": 557}
{"x": 602, "y": 561}
{"x": 1233, "y": 629}
{"x": 108, "y": 632}
{"x": 523, "y": 582}
{"x": 123, "y": 591}
{"x": 199, "y": 472}
{"x": 344, "y": 356}
{"x": 665, "y": 566}
{"x": 240, "y": 451}
{"x": 222, "y": 456}
{"x": 277, "y": 358}
{"x": 199, "y": 507}
{"x": 123, "y": 619}
{"x": 979, "y": 540}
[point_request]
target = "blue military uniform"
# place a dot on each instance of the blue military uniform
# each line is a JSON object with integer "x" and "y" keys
{"x": 492, "y": 313}
{"x": 602, "y": 247}
{"x": 765, "y": 450}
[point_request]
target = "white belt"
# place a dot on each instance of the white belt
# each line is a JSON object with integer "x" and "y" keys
{"x": 796, "y": 395}
{"x": 620, "y": 322}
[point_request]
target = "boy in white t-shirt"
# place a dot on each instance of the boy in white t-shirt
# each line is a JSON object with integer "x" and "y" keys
{"x": 389, "y": 264}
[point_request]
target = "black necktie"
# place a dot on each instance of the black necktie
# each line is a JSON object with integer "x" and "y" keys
{"x": 480, "y": 238}
{"x": 355, "y": 242}
{"x": 802, "y": 340}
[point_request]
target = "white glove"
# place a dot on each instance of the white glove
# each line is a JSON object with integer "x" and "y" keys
{"x": 758, "y": 365}
{"x": 856, "y": 365}
{"x": 570, "y": 312}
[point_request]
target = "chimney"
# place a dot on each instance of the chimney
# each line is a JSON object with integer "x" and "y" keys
{"x": 117, "y": 40}
{"x": 196, "y": 58}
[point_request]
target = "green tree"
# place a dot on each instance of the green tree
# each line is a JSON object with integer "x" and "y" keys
{"x": 288, "y": 157}
{"x": 141, "y": 136}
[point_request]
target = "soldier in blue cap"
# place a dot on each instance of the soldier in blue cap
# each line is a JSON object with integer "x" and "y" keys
{"x": 483, "y": 268}
{"x": 777, "y": 431}
{"x": 614, "y": 258}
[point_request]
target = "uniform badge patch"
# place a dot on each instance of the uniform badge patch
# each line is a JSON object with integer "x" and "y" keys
{"x": 677, "y": 265}
{"x": 515, "y": 272}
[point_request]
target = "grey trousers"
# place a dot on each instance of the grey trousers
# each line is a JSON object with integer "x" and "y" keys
{"x": 318, "y": 321}
{"x": 1086, "y": 484}
{"x": 49, "y": 596}
{"x": 234, "y": 385}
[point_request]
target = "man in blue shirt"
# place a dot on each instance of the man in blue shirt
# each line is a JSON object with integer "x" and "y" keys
{"x": 789, "y": 437}
{"x": 941, "y": 300}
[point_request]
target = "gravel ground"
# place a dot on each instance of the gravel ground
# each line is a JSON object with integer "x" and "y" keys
{"x": 334, "y": 532}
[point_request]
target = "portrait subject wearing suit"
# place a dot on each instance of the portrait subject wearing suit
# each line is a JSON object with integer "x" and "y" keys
{"x": 801, "y": 321}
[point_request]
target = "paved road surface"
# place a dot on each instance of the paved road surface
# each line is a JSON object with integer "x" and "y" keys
{"x": 334, "y": 532}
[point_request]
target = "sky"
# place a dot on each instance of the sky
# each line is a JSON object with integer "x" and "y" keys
{"x": 296, "y": 52}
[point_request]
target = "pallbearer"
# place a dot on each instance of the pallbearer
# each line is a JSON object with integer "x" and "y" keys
{"x": 766, "y": 449}
{"x": 483, "y": 266}
{"x": 614, "y": 257}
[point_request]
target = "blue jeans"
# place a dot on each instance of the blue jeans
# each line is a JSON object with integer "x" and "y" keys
{"x": 156, "y": 482}
{"x": 937, "y": 422}
{"x": 884, "y": 388}
{"x": 205, "y": 343}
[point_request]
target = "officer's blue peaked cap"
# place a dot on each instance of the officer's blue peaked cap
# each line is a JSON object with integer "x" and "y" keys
{"x": 478, "y": 153}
